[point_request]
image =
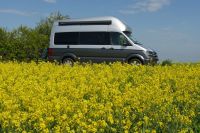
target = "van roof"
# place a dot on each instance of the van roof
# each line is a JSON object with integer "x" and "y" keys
{"x": 105, "y": 20}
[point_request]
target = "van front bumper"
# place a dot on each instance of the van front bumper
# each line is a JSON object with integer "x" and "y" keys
{"x": 151, "y": 61}
{"x": 151, "y": 57}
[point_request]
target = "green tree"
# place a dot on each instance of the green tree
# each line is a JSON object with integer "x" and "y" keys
{"x": 28, "y": 43}
{"x": 3, "y": 42}
{"x": 45, "y": 25}
{"x": 24, "y": 43}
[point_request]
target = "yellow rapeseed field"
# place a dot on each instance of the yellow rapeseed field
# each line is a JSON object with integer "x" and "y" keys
{"x": 45, "y": 97}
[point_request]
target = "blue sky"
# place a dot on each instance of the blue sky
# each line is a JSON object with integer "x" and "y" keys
{"x": 171, "y": 27}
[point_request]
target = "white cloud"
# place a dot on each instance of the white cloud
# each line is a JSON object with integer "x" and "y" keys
{"x": 146, "y": 6}
{"x": 50, "y": 1}
{"x": 18, "y": 12}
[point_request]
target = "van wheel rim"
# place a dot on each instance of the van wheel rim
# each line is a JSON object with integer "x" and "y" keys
{"x": 135, "y": 62}
{"x": 68, "y": 62}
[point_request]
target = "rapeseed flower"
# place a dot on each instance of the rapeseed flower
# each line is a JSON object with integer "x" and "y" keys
{"x": 47, "y": 97}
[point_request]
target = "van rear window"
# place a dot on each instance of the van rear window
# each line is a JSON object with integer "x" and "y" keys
{"x": 64, "y": 38}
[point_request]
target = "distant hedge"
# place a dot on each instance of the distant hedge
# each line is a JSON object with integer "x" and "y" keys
{"x": 24, "y": 43}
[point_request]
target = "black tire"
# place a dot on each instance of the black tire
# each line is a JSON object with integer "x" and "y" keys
{"x": 68, "y": 61}
{"x": 135, "y": 61}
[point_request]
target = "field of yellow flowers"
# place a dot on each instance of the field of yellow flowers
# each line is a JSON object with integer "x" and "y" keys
{"x": 46, "y": 97}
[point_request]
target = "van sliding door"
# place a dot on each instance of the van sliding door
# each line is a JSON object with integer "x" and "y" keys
{"x": 93, "y": 46}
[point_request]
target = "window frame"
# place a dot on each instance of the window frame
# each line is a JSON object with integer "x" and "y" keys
{"x": 65, "y": 42}
{"x": 107, "y": 39}
{"x": 111, "y": 39}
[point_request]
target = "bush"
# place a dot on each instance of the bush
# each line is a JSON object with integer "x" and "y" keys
{"x": 24, "y": 43}
{"x": 167, "y": 62}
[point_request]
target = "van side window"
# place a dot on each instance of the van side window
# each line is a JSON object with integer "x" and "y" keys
{"x": 118, "y": 39}
{"x": 94, "y": 38}
{"x": 64, "y": 38}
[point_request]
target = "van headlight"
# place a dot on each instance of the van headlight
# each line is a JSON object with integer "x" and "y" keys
{"x": 151, "y": 54}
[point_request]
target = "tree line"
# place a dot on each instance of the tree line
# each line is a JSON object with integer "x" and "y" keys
{"x": 25, "y": 43}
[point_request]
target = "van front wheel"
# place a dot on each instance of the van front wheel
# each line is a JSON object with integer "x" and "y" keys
{"x": 68, "y": 61}
{"x": 135, "y": 61}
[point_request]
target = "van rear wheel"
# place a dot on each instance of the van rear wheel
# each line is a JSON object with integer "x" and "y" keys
{"x": 135, "y": 61}
{"x": 68, "y": 61}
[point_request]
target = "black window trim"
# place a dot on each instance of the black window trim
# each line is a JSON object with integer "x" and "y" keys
{"x": 103, "y": 22}
{"x": 106, "y": 39}
{"x": 66, "y": 43}
{"x": 79, "y": 41}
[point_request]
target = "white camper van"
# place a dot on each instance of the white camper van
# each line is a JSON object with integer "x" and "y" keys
{"x": 100, "y": 39}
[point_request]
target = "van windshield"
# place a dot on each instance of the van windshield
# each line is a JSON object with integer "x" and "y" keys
{"x": 129, "y": 35}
